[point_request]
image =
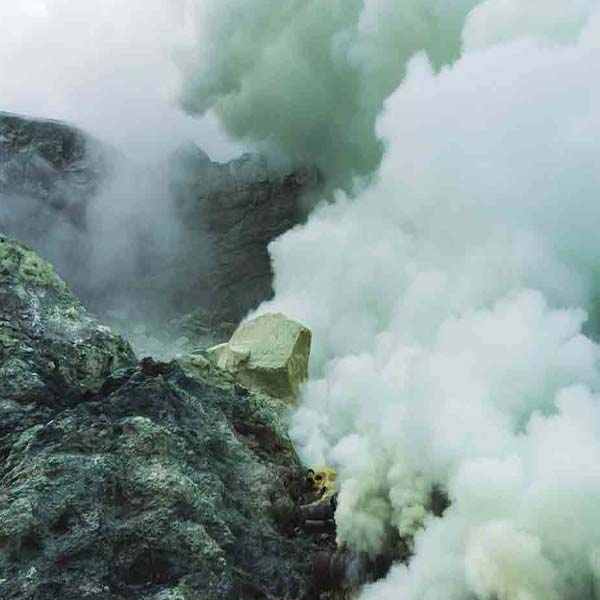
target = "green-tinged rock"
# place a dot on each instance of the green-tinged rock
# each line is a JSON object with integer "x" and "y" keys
{"x": 269, "y": 354}
{"x": 20, "y": 264}
{"x": 121, "y": 480}
{"x": 51, "y": 348}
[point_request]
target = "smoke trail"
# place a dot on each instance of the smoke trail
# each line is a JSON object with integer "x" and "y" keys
{"x": 448, "y": 301}
{"x": 306, "y": 79}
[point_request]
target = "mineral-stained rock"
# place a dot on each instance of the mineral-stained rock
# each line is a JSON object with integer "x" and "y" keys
{"x": 51, "y": 349}
{"x": 126, "y": 481}
{"x": 269, "y": 354}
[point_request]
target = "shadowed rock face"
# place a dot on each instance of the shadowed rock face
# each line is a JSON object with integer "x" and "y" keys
{"x": 121, "y": 480}
{"x": 54, "y": 186}
{"x": 239, "y": 207}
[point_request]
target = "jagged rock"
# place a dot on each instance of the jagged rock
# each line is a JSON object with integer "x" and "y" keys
{"x": 269, "y": 354}
{"x": 51, "y": 349}
{"x": 122, "y": 481}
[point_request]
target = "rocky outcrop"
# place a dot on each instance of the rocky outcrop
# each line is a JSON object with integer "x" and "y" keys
{"x": 239, "y": 207}
{"x": 52, "y": 351}
{"x": 50, "y": 161}
{"x": 121, "y": 480}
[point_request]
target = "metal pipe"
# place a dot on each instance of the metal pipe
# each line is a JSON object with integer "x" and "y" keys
{"x": 321, "y": 510}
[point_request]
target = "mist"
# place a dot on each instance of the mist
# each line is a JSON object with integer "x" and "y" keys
{"x": 107, "y": 67}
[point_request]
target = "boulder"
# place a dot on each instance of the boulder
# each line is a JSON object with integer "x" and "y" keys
{"x": 269, "y": 354}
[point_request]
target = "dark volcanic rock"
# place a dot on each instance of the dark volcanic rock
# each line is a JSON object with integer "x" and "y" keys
{"x": 127, "y": 481}
{"x": 240, "y": 207}
{"x": 51, "y": 161}
{"x": 51, "y": 350}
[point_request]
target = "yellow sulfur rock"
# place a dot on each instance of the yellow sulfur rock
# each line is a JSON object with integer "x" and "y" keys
{"x": 269, "y": 354}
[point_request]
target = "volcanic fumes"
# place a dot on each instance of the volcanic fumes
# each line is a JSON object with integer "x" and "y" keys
{"x": 448, "y": 298}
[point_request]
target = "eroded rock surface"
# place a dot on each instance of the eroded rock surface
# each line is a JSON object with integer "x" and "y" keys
{"x": 51, "y": 350}
{"x": 121, "y": 480}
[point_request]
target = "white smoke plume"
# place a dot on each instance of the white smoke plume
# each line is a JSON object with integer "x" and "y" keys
{"x": 453, "y": 302}
{"x": 306, "y": 79}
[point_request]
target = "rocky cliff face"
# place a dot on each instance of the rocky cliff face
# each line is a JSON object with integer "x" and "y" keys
{"x": 54, "y": 183}
{"x": 239, "y": 208}
{"x": 121, "y": 480}
{"x": 127, "y": 480}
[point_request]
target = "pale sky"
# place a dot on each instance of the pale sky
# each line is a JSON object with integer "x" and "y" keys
{"x": 106, "y": 65}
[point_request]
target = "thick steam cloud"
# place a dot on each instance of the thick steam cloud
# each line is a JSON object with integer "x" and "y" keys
{"x": 454, "y": 311}
{"x": 304, "y": 80}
